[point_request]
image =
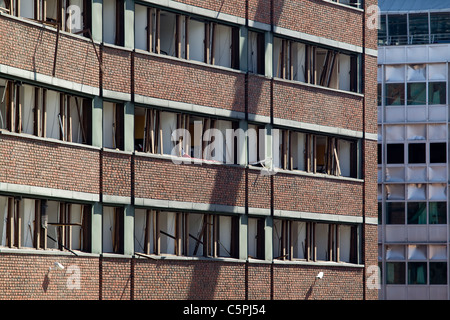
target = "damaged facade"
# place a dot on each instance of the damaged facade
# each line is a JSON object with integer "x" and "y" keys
{"x": 413, "y": 150}
{"x": 224, "y": 148}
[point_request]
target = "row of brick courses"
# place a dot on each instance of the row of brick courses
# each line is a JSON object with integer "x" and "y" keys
{"x": 315, "y": 105}
{"x": 259, "y": 101}
{"x": 117, "y": 69}
{"x": 32, "y": 48}
{"x": 27, "y": 276}
{"x": 318, "y": 195}
{"x": 116, "y": 174}
{"x": 50, "y": 164}
{"x": 187, "y": 82}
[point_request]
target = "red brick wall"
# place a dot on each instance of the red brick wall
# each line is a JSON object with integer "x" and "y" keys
{"x": 116, "y": 174}
{"x": 318, "y": 195}
{"x": 259, "y": 95}
{"x": 115, "y": 279}
{"x": 323, "y": 19}
{"x": 206, "y": 183}
{"x": 116, "y": 69}
{"x": 33, "y": 49}
{"x": 259, "y": 190}
{"x": 49, "y": 164}
{"x": 182, "y": 81}
{"x": 317, "y": 106}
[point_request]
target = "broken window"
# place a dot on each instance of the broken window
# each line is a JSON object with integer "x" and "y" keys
{"x": 314, "y": 153}
{"x": 437, "y": 213}
{"x": 398, "y": 31}
{"x": 186, "y": 135}
{"x": 44, "y": 113}
{"x": 113, "y": 229}
{"x": 416, "y": 93}
{"x": 315, "y": 65}
{"x": 256, "y": 49}
{"x": 395, "y": 272}
{"x": 314, "y": 241}
{"x": 417, "y": 213}
{"x": 42, "y": 224}
{"x": 113, "y": 125}
{"x": 437, "y": 93}
{"x": 417, "y": 153}
{"x": 182, "y": 36}
{"x": 395, "y": 94}
{"x": 187, "y": 234}
{"x": 438, "y": 152}
{"x": 113, "y": 21}
{"x": 256, "y": 238}
{"x": 438, "y": 272}
{"x": 395, "y": 153}
{"x": 395, "y": 213}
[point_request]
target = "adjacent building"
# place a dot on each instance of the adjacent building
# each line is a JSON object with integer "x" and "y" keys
{"x": 413, "y": 133}
{"x": 188, "y": 149}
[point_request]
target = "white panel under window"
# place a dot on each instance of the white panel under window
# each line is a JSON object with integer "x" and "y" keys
{"x": 395, "y": 174}
{"x": 53, "y": 217}
{"x": 437, "y": 132}
{"x": 140, "y": 26}
{"x": 109, "y": 21}
{"x": 416, "y": 132}
{"x": 222, "y": 49}
{"x": 437, "y": 192}
{"x": 439, "y": 53}
{"x": 53, "y": 123}
{"x": 395, "y": 73}
{"x": 27, "y": 9}
{"x": 344, "y": 243}
{"x": 437, "y": 173}
{"x": 416, "y": 173}
{"x": 417, "y": 252}
{"x": 437, "y": 252}
{"x": 321, "y": 234}
{"x": 76, "y": 217}
{"x": 108, "y": 124}
{"x": 168, "y": 28}
{"x": 416, "y": 113}
{"x": 139, "y": 230}
{"x": 196, "y": 40}
{"x": 416, "y": 72}
{"x": 27, "y": 98}
{"x": 417, "y": 53}
{"x": 344, "y": 71}
{"x": 298, "y": 239}
{"x": 395, "y": 252}
{"x": 298, "y": 60}
{"x": 416, "y": 191}
{"x": 395, "y": 133}
{"x": 195, "y": 229}
{"x": 437, "y": 71}
{"x": 27, "y": 212}
{"x": 395, "y": 192}
{"x": 167, "y": 225}
{"x": 395, "y": 114}
{"x": 225, "y": 226}
{"x": 3, "y": 219}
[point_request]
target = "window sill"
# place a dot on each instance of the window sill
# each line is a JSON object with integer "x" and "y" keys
{"x": 52, "y": 140}
{"x": 306, "y": 174}
{"x": 170, "y": 257}
{"x": 319, "y": 263}
{"x": 51, "y": 252}
{"x": 346, "y": 6}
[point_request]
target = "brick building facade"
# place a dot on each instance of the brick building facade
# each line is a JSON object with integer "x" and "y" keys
{"x": 92, "y": 93}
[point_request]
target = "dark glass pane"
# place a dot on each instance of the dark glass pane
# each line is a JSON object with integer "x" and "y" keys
{"x": 395, "y": 213}
{"x": 437, "y": 93}
{"x": 395, "y": 153}
{"x": 440, "y": 27}
{"x": 437, "y": 212}
{"x": 417, "y": 213}
{"x": 417, "y": 273}
{"x": 416, "y": 153}
{"x": 395, "y": 94}
{"x": 395, "y": 272}
{"x": 438, "y": 272}
{"x": 418, "y": 28}
{"x": 438, "y": 152}
{"x": 398, "y": 32}
{"x": 417, "y": 94}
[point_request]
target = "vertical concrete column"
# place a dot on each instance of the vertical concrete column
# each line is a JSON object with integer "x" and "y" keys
{"x": 129, "y": 24}
{"x": 129, "y": 127}
{"x": 97, "y": 20}
{"x": 243, "y": 48}
{"x": 268, "y": 54}
{"x": 243, "y": 237}
{"x": 97, "y": 122}
{"x": 96, "y": 228}
{"x": 128, "y": 230}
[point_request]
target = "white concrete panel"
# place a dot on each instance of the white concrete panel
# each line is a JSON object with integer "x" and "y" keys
{"x": 417, "y": 53}
{"x": 395, "y": 54}
{"x": 395, "y": 133}
{"x": 396, "y": 292}
{"x": 395, "y": 174}
{"x": 394, "y": 73}
{"x": 437, "y": 191}
{"x": 394, "y": 114}
{"x": 416, "y": 173}
{"x": 419, "y": 292}
{"x": 416, "y": 132}
{"x": 416, "y": 191}
{"x": 437, "y": 71}
{"x": 437, "y": 113}
{"x": 416, "y": 72}
{"x": 417, "y": 232}
{"x": 416, "y": 113}
{"x": 437, "y": 232}
{"x": 437, "y": 131}
{"x": 437, "y": 252}
{"x": 439, "y": 53}
{"x": 437, "y": 173}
